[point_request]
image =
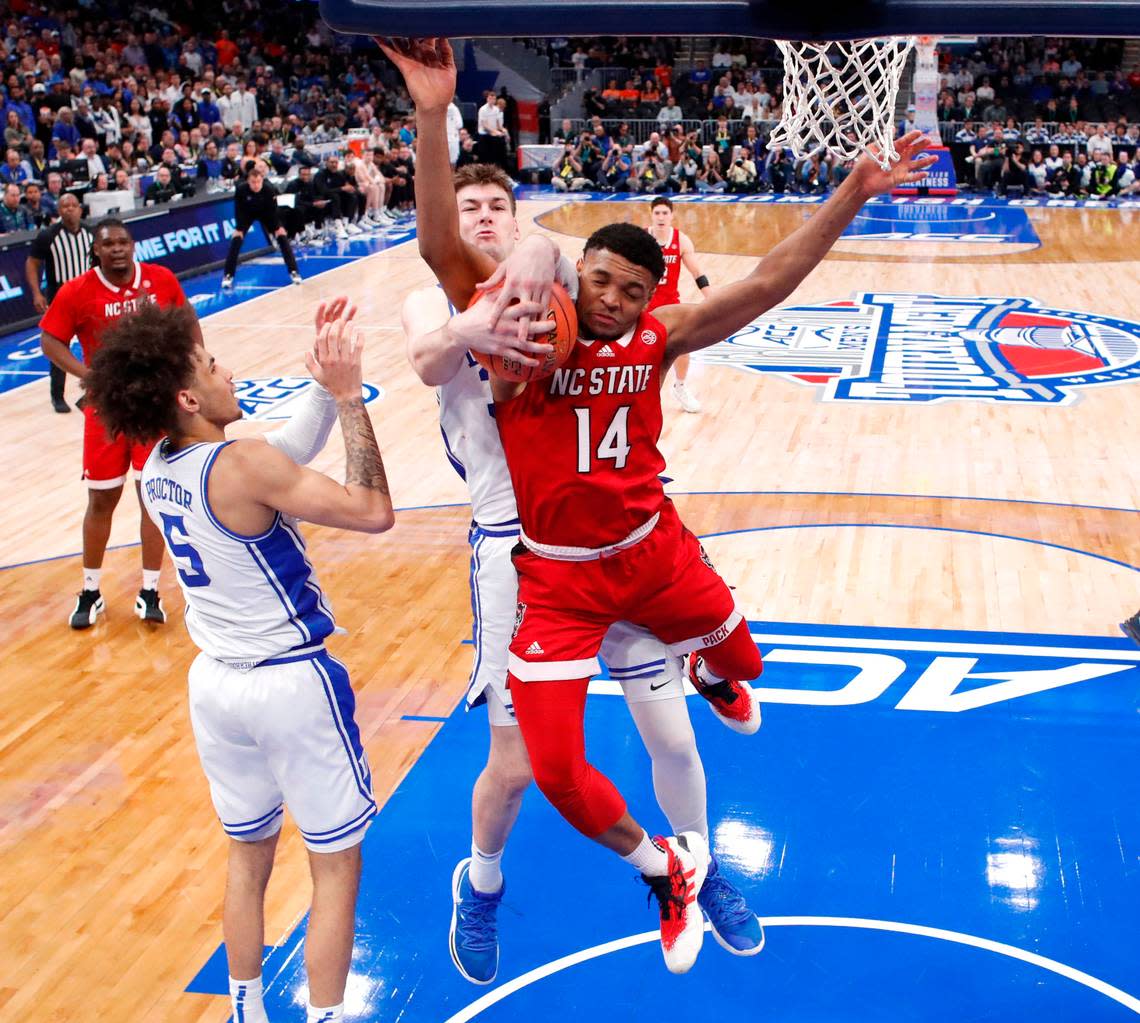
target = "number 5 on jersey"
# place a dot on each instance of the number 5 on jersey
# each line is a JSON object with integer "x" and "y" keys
{"x": 174, "y": 529}
{"x": 613, "y": 445}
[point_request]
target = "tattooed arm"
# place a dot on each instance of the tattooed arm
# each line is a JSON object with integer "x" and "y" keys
{"x": 252, "y": 481}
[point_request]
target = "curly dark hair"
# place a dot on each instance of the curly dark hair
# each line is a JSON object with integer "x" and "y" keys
{"x": 632, "y": 243}
{"x": 144, "y": 360}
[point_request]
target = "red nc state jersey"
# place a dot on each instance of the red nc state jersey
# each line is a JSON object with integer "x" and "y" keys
{"x": 668, "y": 288}
{"x": 581, "y": 445}
{"x": 86, "y": 305}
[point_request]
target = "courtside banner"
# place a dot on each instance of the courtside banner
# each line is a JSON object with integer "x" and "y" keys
{"x": 941, "y": 178}
{"x": 181, "y": 236}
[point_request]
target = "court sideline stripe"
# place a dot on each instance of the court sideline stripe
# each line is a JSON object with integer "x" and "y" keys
{"x": 957, "y": 937}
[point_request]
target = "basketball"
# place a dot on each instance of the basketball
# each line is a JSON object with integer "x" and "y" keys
{"x": 563, "y": 333}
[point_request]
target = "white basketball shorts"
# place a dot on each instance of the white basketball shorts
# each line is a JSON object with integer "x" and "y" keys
{"x": 282, "y": 734}
{"x": 637, "y": 659}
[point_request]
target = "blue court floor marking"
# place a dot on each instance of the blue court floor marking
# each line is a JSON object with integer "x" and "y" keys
{"x": 933, "y": 529}
{"x": 258, "y": 278}
{"x": 476, "y": 1008}
{"x": 813, "y": 819}
{"x": 421, "y": 717}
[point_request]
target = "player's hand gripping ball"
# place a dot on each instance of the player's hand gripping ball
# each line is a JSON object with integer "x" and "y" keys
{"x": 563, "y": 333}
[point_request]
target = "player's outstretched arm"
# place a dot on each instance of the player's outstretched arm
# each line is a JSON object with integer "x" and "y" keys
{"x": 306, "y": 433}
{"x": 779, "y": 273}
{"x": 264, "y": 476}
{"x": 428, "y": 67}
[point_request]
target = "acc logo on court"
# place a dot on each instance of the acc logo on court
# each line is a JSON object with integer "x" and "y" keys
{"x": 649, "y": 337}
{"x": 907, "y": 348}
{"x": 272, "y": 398}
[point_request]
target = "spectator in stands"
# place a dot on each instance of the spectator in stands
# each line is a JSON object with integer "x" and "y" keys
{"x": 589, "y": 155}
{"x": 13, "y": 215}
{"x": 34, "y": 203}
{"x": 210, "y": 164}
{"x": 616, "y": 168}
{"x": 35, "y": 163}
{"x": 710, "y": 178}
{"x": 208, "y": 112}
{"x": 1053, "y": 160}
{"x": 1015, "y": 171}
{"x": 1081, "y": 175}
{"x": 567, "y": 174}
{"x": 985, "y": 92}
{"x": 1103, "y": 182}
{"x": 1099, "y": 143}
{"x": 89, "y": 154}
{"x": 968, "y": 108}
{"x": 162, "y": 189}
{"x": 122, "y": 181}
{"x": 700, "y": 75}
{"x": 13, "y": 170}
{"x": 1128, "y": 175}
{"x": 54, "y": 192}
{"x": 742, "y": 176}
{"x": 16, "y": 135}
{"x": 492, "y": 133}
{"x": 966, "y": 134}
{"x": 64, "y": 130}
{"x": 908, "y": 121}
{"x": 649, "y": 173}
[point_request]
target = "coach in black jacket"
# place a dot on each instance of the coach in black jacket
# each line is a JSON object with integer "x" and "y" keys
{"x": 255, "y": 200}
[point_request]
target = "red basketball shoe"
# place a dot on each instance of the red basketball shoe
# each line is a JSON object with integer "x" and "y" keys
{"x": 734, "y": 703}
{"x": 682, "y": 925}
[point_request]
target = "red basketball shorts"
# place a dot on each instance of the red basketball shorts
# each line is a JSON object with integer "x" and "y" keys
{"x": 106, "y": 461}
{"x": 665, "y": 583}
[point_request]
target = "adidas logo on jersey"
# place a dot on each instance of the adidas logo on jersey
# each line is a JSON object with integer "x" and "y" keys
{"x": 534, "y": 648}
{"x": 606, "y": 352}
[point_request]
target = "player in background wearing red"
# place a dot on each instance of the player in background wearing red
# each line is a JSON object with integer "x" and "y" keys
{"x": 677, "y": 248}
{"x": 114, "y": 286}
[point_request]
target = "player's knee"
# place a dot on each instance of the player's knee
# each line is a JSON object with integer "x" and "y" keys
{"x": 677, "y": 752}
{"x": 103, "y": 502}
{"x": 510, "y": 772}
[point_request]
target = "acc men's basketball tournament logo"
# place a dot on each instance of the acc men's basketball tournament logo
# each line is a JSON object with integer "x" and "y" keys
{"x": 272, "y": 398}
{"x": 905, "y": 348}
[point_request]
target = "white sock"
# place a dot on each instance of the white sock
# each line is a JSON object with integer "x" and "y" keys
{"x": 91, "y": 577}
{"x": 709, "y": 678}
{"x": 648, "y": 857}
{"x": 485, "y": 873}
{"x": 246, "y": 1000}
{"x": 150, "y": 579}
{"x": 329, "y": 1014}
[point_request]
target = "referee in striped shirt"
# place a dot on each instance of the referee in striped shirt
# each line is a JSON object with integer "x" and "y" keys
{"x": 65, "y": 250}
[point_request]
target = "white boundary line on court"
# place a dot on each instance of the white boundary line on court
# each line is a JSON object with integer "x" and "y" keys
{"x": 1032, "y": 958}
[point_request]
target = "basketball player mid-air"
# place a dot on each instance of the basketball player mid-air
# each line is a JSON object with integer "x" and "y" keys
{"x": 475, "y": 210}
{"x": 676, "y": 248}
{"x": 602, "y": 541}
{"x": 271, "y": 710}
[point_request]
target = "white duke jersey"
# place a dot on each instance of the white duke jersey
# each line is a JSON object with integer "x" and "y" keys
{"x": 248, "y": 598}
{"x": 470, "y": 433}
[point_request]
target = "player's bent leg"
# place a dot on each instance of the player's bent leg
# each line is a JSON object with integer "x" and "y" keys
{"x": 243, "y": 921}
{"x": 715, "y": 674}
{"x": 551, "y": 717}
{"x": 678, "y": 773}
{"x": 332, "y": 925}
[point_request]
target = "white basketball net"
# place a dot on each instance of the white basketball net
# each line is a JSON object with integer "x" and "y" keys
{"x": 840, "y": 96}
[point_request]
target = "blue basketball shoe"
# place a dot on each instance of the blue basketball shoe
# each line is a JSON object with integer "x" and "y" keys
{"x": 474, "y": 938}
{"x": 735, "y": 927}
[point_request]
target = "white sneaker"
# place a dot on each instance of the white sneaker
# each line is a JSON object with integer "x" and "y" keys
{"x": 684, "y": 398}
{"x": 341, "y": 230}
{"x": 353, "y": 229}
{"x": 296, "y": 278}
{"x": 682, "y": 924}
{"x": 227, "y": 282}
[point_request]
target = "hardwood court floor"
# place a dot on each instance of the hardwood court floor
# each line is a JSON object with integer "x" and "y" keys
{"x": 1019, "y": 519}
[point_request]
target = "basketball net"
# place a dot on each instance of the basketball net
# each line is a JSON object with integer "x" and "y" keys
{"x": 839, "y": 96}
